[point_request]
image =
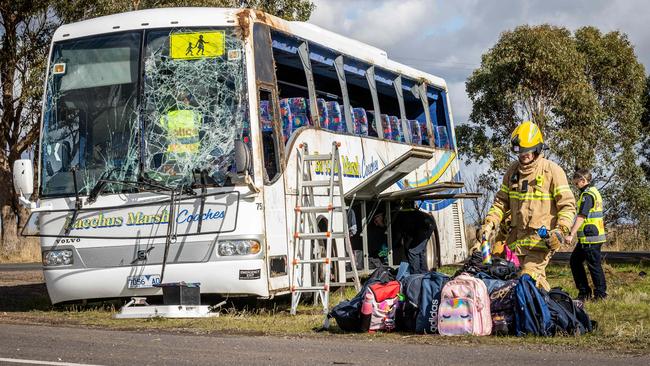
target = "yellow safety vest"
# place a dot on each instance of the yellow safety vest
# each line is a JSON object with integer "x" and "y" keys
{"x": 595, "y": 218}
{"x": 182, "y": 127}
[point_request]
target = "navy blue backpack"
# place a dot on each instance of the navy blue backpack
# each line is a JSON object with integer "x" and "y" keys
{"x": 532, "y": 315}
{"x": 429, "y": 302}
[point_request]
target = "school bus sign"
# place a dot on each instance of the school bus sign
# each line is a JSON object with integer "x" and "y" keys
{"x": 189, "y": 46}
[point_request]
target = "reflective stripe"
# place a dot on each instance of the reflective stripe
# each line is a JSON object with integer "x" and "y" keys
{"x": 497, "y": 211}
{"x": 504, "y": 188}
{"x": 561, "y": 189}
{"x": 527, "y": 243}
{"x": 567, "y": 215}
{"x": 595, "y": 215}
{"x": 592, "y": 239}
{"x": 530, "y": 196}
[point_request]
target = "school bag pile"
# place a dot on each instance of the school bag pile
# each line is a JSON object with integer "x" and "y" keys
{"x": 478, "y": 300}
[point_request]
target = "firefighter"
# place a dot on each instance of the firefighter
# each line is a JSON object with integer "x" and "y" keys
{"x": 537, "y": 194}
{"x": 590, "y": 228}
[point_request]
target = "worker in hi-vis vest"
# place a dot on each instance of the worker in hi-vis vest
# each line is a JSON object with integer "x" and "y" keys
{"x": 590, "y": 228}
{"x": 182, "y": 127}
{"x": 542, "y": 207}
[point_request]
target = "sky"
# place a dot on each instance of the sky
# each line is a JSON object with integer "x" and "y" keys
{"x": 447, "y": 38}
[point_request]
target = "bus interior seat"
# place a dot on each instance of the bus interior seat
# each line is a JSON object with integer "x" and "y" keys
{"x": 396, "y": 130}
{"x": 298, "y": 116}
{"x": 442, "y": 138}
{"x": 265, "y": 116}
{"x": 423, "y": 132}
{"x": 323, "y": 113}
{"x": 385, "y": 124}
{"x": 335, "y": 118}
{"x": 360, "y": 121}
{"x": 416, "y": 132}
{"x": 285, "y": 114}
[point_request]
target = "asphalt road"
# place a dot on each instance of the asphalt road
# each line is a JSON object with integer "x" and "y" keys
{"x": 69, "y": 346}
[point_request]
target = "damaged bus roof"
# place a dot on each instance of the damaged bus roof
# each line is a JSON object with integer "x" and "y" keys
{"x": 194, "y": 17}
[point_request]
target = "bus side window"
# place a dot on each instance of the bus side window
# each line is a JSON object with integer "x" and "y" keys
{"x": 267, "y": 116}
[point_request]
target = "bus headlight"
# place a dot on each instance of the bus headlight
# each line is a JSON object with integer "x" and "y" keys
{"x": 57, "y": 257}
{"x": 238, "y": 247}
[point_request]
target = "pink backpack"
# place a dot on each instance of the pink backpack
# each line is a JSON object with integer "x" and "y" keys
{"x": 464, "y": 307}
{"x": 379, "y": 306}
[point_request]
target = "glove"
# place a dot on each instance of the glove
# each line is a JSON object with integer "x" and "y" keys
{"x": 556, "y": 238}
{"x": 486, "y": 230}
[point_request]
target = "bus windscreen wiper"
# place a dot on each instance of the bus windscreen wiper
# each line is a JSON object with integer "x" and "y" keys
{"x": 99, "y": 186}
{"x": 77, "y": 201}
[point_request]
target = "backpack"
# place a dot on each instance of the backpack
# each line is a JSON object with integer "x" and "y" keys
{"x": 532, "y": 315}
{"x": 499, "y": 268}
{"x": 379, "y": 307}
{"x": 411, "y": 289}
{"x": 347, "y": 312}
{"x": 502, "y": 297}
{"x": 464, "y": 307}
{"x": 503, "y": 323}
{"x": 426, "y": 302}
{"x": 567, "y": 317}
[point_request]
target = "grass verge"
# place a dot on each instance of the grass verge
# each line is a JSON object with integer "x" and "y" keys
{"x": 624, "y": 318}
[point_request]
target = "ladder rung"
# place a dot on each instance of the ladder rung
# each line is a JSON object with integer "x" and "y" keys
{"x": 340, "y": 284}
{"x": 309, "y": 289}
{"x": 316, "y": 236}
{"x": 317, "y": 209}
{"x": 318, "y": 183}
{"x": 317, "y": 157}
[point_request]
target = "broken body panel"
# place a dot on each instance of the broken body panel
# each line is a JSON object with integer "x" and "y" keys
{"x": 138, "y": 168}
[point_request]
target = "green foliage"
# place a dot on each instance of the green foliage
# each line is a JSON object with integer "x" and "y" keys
{"x": 84, "y": 9}
{"x": 645, "y": 132}
{"x": 585, "y": 90}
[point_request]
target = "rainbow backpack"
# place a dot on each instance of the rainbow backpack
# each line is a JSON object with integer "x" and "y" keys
{"x": 464, "y": 307}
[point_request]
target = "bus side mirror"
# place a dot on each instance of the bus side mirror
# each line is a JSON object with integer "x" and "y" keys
{"x": 24, "y": 177}
{"x": 242, "y": 157}
{"x": 243, "y": 160}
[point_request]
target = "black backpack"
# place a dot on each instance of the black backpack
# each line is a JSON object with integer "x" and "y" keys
{"x": 348, "y": 312}
{"x": 499, "y": 268}
{"x": 568, "y": 318}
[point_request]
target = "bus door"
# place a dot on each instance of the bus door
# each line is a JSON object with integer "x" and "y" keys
{"x": 275, "y": 213}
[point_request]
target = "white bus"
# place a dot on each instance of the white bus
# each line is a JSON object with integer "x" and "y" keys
{"x": 168, "y": 148}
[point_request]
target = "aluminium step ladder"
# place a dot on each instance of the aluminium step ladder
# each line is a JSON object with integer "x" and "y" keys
{"x": 306, "y": 262}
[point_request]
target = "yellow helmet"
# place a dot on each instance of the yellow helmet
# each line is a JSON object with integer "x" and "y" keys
{"x": 527, "y": 137}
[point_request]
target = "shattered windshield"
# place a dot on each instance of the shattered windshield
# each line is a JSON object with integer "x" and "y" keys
{"x": 172, "y": 115}
{"x": 194, "y": 104}
{"x": 90, "y": 113}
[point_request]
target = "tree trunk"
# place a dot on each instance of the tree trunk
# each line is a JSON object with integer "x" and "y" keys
{"x": 10, "y": 221}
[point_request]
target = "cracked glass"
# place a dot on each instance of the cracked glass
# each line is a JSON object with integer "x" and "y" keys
{"x": 90, "y": 113}
{"x": 194, "y": 104}
{"x": 171, "y": 115}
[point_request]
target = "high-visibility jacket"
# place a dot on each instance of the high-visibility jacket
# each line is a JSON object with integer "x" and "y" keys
{"x": 595, "y": 218}
{"x": 536, "y": 194}
{"x": 182, "y": 127}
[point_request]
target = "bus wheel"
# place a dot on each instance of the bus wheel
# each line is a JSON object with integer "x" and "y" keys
{"x": 432, "y": 252}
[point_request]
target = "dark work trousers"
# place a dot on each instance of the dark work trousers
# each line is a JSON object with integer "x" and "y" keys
{"x": 589, "y": 253}
{"x": 418, "y": 258}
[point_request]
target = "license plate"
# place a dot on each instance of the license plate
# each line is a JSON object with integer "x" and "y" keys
{"x": 143, "y": 281}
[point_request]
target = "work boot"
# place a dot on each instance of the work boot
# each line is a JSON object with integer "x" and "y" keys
{"x": 583, "y": 297}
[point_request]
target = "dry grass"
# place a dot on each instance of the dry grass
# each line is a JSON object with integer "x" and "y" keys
{"x": 624, "y": 319}
{"x": 28, "y": 251}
